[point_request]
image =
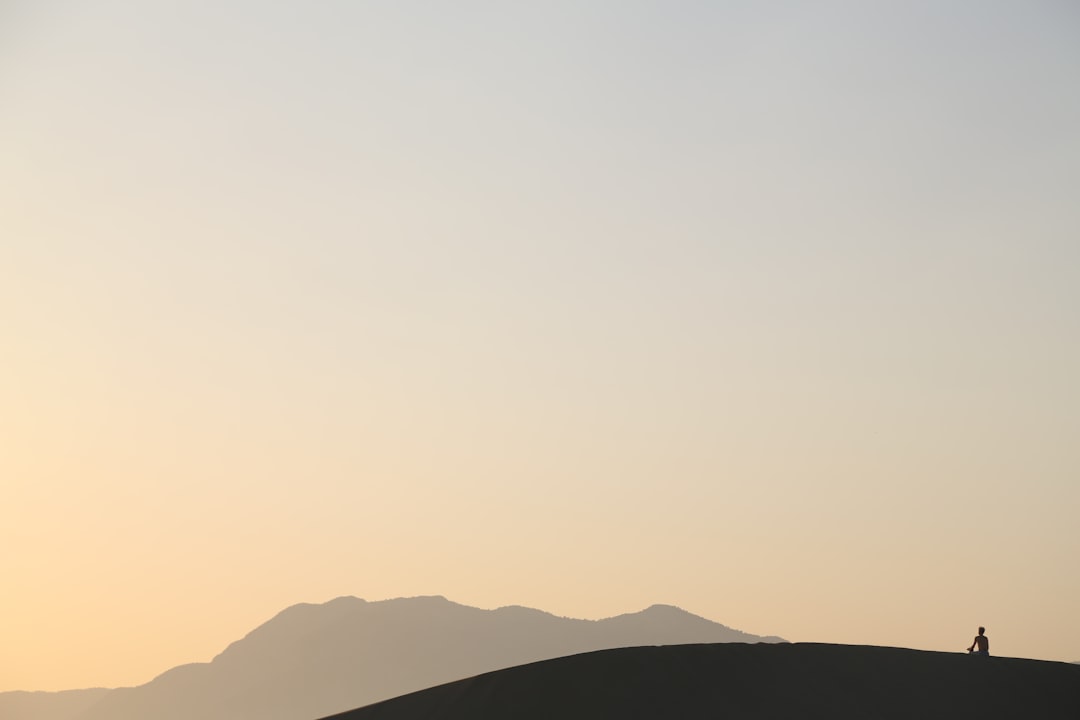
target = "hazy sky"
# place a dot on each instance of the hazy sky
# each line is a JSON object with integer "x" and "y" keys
{"x": 767, "y": 310}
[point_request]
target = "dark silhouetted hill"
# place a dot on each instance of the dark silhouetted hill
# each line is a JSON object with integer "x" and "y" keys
{"x": 315, "y": 660}
{"x": 751, "y": 682}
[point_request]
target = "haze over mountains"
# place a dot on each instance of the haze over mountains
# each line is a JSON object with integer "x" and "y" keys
{"x": 48, "y": 705}
{"x": 315, "y": 660}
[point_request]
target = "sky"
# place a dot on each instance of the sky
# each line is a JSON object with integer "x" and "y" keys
{"x": 770, "y": 311}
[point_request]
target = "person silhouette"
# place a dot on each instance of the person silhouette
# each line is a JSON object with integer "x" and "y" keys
{"x": 982, "y": 642}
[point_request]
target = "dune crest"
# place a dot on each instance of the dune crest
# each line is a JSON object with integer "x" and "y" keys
{"x": 751, "y": 682}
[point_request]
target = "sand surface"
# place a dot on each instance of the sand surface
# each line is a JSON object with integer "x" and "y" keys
{"x": 751, "y": 681}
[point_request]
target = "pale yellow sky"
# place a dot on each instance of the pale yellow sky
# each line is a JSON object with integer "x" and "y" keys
{"x": 771, "y": 314}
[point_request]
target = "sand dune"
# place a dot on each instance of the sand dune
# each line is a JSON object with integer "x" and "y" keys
{"x": 751, "y": 681}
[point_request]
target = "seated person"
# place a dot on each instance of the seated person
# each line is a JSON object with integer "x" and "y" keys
{"x": 982, "y": 642}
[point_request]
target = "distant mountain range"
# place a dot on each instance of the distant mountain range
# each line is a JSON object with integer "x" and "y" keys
{"x": 315, "y": 660}
{"x": 751, "y": 682}
{"x": 48, "y": 705}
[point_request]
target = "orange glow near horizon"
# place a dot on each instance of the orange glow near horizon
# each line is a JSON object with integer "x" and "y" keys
{"x": 772, "y": 316}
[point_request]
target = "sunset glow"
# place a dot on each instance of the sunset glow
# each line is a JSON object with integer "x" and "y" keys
{"x": 767, "y": 311}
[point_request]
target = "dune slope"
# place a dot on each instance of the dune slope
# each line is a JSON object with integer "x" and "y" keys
{"x": 751, "y": 681}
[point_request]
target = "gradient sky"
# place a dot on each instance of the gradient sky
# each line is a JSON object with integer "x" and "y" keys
{"x": 767, "y": 310}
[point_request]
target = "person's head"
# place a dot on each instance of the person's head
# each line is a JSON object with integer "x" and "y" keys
{"x": 982, "y": 630}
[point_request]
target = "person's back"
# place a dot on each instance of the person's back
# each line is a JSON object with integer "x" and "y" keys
{"x": 982, "y": 642}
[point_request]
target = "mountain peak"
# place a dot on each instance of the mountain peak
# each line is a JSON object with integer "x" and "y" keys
{"x": 312, "y": 660}
{"x": 659, "y": 608}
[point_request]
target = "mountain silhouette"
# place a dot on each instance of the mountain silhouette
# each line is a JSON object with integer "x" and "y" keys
{"x": 315, "y": 660}
{"x": 20, "y": 705}
{"x": 751, "y": 682}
